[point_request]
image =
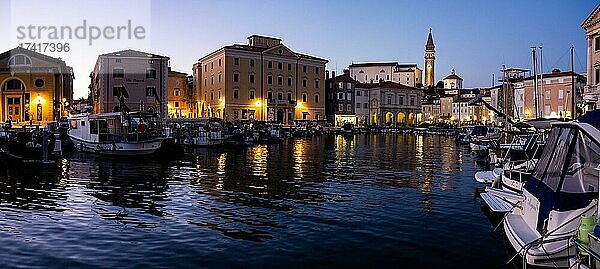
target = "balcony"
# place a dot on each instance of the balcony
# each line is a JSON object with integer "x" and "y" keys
{"x": 281, "y": 102}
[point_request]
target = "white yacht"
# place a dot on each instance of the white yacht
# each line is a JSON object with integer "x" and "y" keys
{"x": 118, "y": 133}
{"x": 562, "y": 188}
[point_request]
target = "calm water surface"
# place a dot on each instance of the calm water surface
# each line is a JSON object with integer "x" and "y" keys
{"x": 362, "y": 202}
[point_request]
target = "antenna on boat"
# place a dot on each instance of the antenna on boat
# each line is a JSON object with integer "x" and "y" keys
{"x": 535, "y": 81}
{"x": 573, "y": 94}
{"x": 542, "y": 78}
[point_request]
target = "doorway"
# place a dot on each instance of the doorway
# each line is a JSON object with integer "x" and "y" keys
{"x": 13, "y": 108}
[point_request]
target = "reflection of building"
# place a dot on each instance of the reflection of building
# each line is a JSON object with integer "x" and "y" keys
{"x": 406, "y": 74}
{"x": 592, "y": 28}
{"x": 392, "y": 104}
{"x": 340, "y": 99}
{"x": 263, "y": 80}
{"x": 180, "y": 99}
{"x": 429, "y": 61}
{"x": 34, "y": 87}
{"x": 431, "y": 110}
{"x": 453, "y": 81}
{"x": 130, "y": 80}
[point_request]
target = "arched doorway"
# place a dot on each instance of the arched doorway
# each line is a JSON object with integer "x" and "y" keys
{"x": 411, "y": 118}
{"x": 13, "y": 91}
{"x": 400, "y": 118}
{"x": 280, "y": 115}
{"x": 389, "y": 118}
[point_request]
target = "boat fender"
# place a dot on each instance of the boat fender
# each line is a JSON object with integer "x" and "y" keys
{"x": 114, "y": 147}
{"x": 97, "y": 148}
{"x": 586, "y": 225}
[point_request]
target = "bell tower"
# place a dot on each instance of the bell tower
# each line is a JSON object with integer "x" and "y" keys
{"x": 429, "y": 61}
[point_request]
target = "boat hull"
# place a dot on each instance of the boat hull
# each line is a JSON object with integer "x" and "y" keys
{"x": 114, "y": 148}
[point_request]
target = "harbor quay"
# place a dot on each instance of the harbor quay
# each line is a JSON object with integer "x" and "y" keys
{"x": 257, "y": 134}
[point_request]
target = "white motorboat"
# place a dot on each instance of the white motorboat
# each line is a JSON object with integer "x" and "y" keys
{"x": 118, "y": 133}
{"x": 562, "y": 188}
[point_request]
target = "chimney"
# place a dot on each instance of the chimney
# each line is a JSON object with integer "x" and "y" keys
{"x": 332, "y": 74}
{"x": 346, "y": 71}
{"x": 326, "y": 74}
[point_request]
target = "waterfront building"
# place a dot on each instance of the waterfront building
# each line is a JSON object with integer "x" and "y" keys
{"x": 362, "y": 97}
{"x": 130, "y": 80}
{"x": 591, "y": 92}
{"x": 375, "y": 72}
{"x": 392, "y": 104}
{"x": 431, "y": 109}
{"x": 340, "y": 99}
{"x": 181, "y": 103}
{"x": 429, "y": 61}
{"x": 555, "y": 95}
{"x": 262, "y": 80}
{"x": 453, "y": 81}
{"x": 34, "y": 88}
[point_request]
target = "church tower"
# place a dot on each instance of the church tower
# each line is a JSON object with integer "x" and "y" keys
{"x": 429, "y": 61}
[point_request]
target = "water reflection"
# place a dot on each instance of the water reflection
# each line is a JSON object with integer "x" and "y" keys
{"x": 365, "y": 186}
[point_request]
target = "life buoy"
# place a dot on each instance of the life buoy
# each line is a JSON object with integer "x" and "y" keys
{"x": 141, "y": 128}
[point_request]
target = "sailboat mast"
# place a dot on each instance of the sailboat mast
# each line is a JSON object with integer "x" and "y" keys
{"x": 543, "y": 93}
{"x": 573, "y": 93}
{"x": 535, "y": 82}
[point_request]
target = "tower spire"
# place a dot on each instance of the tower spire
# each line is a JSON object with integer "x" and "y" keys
{"x": 429, "y": 61}
{"x": 430, "y": 45}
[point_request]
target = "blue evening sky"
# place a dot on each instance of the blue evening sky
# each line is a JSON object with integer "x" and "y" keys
{"x": 474, "y": 37}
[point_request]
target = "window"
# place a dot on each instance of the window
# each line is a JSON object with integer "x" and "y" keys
{"x": 118, "y": 72}
{"x": 279, "y": 96}
{"x": 212, "y": 96}
{"x": 316, "y": 98}
{"x": 219, "y": 62}
{"x": 358, "y": 93}
{"x": 236, "y": 61}
{"x": 597, "y": 76}
{"x": 304, "y": 83}
{"x": 244, "y": 114}
{"x": 118, "y": 60}
{"x": 219, "y": 94}
{"x": 289, "y": 67}
{"x": 150, "y": 91}
{"x": 561, "y": 94}
{"x": 251, "y": 78}
{"x": 205, "y": 68}
{"x": 597, "y": 43}
{"x": 39, "y": 83}
{"x": 340, "y": 96}
{"x": 357, "y": 105}
{"x": 388, "y": 77}
{"x": 236, "y": 94}
{"x": 289, "y": 81}
{"x": 348, "y": 85}
{"x": 547, "y": 95}
{"x": 412, "y": 100}
{"x": 19, "y": 60}
{"x": 304, "y": 68}
{"x": 280, "y": 66}
{"x": 270, "y": 64}
{"x": 212, "y": 65}
{"x": 349, "y": 107}
{"x": 251, "y": 62}
{"x": 365, "y": 105}
{"x": 401, "y": 99}
{"x": 176, "y": 104}
{"x": 252, "y": 94}
{"x": 177, "y": 92}
{"x": 316, "y": 84}
{"x": 340, "y": 85}
{"x": 150, "y": 61}
{"x": 236, "y": 77}
{"x": 219, "y": 78}
{"x": 316, "y": 70}
{"x": 270, "y": 95}
{"x": 151, "y": 73}
{"x": 270, "y": 80}
{"x": 279, "y": 80}
{"x": 340, "y": 107}
{"x": 289, "y": 96}
{"x": 389, "y": 99}
{"x": 304, "y": 97}
{"x": 212, "y": 80}
{"x": 348, "y": 96}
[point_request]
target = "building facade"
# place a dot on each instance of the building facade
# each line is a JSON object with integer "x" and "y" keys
{"x": 34, "y": 88}
{"x": 406, "y": 74}
{"x": 429, "y": 61}
{"x": 180, "y": 99}
{"x": 592, "y": 89}
{"x": 555, "y": 95}
{"x": 453, "y": 81}
{"x": 130, "y": 80}
{"x": 393, "y": 104}
{"x": 263, "y": 80}
{"x": 340, "y": 99}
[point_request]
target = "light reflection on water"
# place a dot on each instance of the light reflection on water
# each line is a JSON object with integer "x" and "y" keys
{"x": 362, "y": 201}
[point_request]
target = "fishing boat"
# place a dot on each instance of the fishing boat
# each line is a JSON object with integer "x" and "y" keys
{"x": 117, "y": 133}
{"x": 200, "y": 132}
{"x": 562, "y": 188}
{"x": 483, "y": 138}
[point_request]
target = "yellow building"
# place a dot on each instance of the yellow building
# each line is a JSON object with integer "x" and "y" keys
{"x": 181, "y": 102}
{"x": 429, "y": 62}
{"x": 34, "y": 88}
{"x": 263, "y": 80}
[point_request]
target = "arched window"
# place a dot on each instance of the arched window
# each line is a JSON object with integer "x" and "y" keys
{"x": 18, "y": 60}
{"x": 13, "y": 85}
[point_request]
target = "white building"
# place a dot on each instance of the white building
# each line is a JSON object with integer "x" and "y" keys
{"x": 405, "y": 74}
{"x": 453, "y": 81}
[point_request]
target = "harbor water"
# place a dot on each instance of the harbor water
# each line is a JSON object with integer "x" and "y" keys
{"x": 366, "y": 201}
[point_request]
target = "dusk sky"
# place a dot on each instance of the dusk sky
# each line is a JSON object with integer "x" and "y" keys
{"x": 474, "y": 37}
